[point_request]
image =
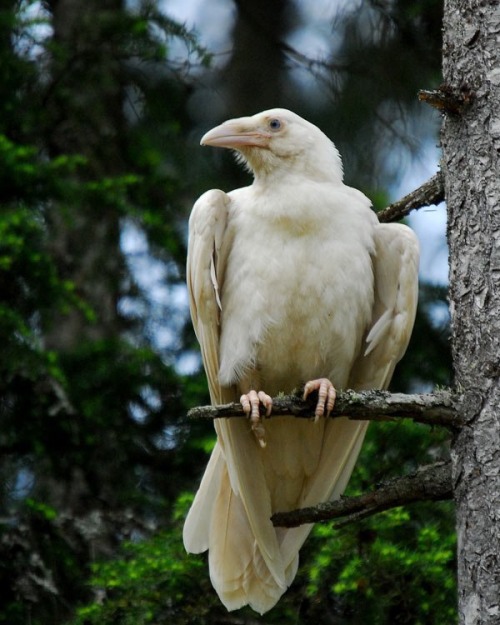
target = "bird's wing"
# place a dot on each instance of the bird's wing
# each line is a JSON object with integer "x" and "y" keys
{"x": 207, "y": 250}
{"x": 209, "y": 245}
{"x": 395, "y": 268}
{"x": 214, "y": 503}
{"x": 228, "y": 500}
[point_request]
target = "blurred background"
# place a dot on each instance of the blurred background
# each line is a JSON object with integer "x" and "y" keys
{"x": 102, "y": 107}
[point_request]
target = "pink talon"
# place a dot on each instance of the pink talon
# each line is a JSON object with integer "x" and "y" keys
{"x": 250, "y": 402}
{"x": 326, "y": 396}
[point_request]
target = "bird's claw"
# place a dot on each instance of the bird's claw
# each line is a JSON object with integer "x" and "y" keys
{"x": 326, "y": 396}
{"x": 250, "y": 402}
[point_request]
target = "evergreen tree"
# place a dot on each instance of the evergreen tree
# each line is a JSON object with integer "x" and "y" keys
{"x": 94, "y": 446}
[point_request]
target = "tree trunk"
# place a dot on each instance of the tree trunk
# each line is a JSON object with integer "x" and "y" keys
{"x": 85, "y": 117}
{"x": 471, "y": 164}
{"x": 254, "y": 76}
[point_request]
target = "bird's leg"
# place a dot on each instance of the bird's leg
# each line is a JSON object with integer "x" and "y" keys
{"x": 250, "y": 403}
{"x": 326, "y": 396}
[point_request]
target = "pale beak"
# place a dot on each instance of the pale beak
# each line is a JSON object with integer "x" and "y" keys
{"x": 235, "y": 134}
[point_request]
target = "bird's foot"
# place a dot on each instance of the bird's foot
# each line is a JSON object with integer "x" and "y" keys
{"x": 250, "y": 402}
{"x": 326, "y": 396}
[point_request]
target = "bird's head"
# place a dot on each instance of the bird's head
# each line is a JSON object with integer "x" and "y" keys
{"x": 277, "y": 142}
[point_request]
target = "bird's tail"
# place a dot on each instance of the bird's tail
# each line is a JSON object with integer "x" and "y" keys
{"x": 245, "y": 570}
{"x": 217, "y": 522}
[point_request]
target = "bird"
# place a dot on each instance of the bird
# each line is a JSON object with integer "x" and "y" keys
{"x": 292, "y": 281}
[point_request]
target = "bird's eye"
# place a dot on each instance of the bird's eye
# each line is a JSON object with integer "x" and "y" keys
{"x": 274, "y": 124}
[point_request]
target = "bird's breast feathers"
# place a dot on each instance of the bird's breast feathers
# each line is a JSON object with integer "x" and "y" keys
{"x": 299, "y": 259}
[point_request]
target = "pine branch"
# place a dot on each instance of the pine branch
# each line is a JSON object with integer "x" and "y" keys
{"x": 431, "y": 192}
{"x": 429, "y": 483}
{"x": 432, "y": 409}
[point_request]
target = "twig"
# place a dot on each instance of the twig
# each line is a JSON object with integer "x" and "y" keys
{"x": 432, "y": 409}
{"x": 429, "y": 483}
{"x": 431, "y": 192}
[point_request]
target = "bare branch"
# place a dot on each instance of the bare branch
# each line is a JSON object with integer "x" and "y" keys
{"x": 431, "y": 192}
{"x": 429, "y": 483}
{"x": 432, "y": 409}
{"x": 447, "y": 99}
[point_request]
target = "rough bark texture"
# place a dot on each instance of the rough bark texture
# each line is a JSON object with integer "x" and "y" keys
{"x": 471, "y": 164}
{"x": 432, "y": 409}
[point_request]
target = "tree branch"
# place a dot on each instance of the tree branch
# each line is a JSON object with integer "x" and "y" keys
{"x": 447, "y": 99}
{"x": 432, "y": 409}
{"x": 431, "y": 192}
{"x": 432, "y": 482}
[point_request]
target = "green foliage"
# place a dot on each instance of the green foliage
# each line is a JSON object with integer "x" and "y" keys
{"x": 90, "y": 415}
{"x": 397, "y": 566}
{"x": 153, "y": 582}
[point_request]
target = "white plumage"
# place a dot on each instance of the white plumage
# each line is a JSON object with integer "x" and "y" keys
{"x": 291, "y": 280}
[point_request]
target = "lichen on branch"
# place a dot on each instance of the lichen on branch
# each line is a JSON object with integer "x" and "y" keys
{"x": 430, "y": 408}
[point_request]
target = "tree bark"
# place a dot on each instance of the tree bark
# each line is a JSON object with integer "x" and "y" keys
{"x": 431, "y": 192}
{"x": 431, "y": 409}
{"x": 471, "y": 165}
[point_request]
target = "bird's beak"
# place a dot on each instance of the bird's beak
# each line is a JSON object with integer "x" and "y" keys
{"x": 235, "y": 134}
